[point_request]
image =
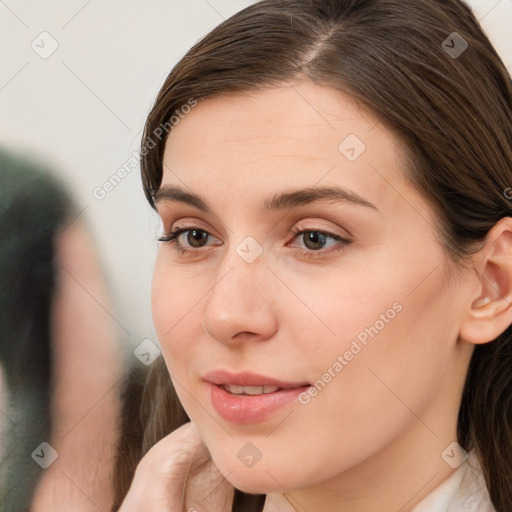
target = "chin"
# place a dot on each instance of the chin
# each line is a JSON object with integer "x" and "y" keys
{"x": 253, "y": 484}
{"x": 259, "y": 479}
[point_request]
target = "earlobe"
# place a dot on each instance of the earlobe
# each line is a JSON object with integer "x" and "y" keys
{"x": 490, "y": 313}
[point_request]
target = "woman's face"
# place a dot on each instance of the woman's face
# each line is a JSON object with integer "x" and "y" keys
{"x": 370, "y": 324}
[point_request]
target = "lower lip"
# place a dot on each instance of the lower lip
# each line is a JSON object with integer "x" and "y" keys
{"x": 247, "y": 409}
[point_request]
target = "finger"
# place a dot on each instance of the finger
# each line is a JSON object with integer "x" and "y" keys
{"x": 208, "y": 491}
{"x": 173, "y": 456}
{"x": 158, "y": 484}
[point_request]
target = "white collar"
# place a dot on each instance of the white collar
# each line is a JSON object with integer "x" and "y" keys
{"x": 463, "y": 491}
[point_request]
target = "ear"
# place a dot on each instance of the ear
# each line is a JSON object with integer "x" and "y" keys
{"x": 489, "y": 309}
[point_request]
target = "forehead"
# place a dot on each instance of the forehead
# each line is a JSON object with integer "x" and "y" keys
{"x": 301, "y": 134}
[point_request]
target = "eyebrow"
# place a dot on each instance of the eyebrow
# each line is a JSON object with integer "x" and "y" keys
{"x": 282, "y": 201}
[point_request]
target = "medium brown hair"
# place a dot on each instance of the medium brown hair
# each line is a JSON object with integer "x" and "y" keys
{"x": 452, "y": 115}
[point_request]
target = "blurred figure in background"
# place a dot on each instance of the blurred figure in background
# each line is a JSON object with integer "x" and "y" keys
{"x": 60, "y": 359}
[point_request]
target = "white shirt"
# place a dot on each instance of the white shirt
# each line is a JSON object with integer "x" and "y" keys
{"x": 463, "y": 491}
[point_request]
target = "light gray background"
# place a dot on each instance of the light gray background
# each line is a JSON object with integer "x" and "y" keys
{"x": 82, "y": 110}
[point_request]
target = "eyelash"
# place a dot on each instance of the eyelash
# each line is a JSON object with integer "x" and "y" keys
{"x": 172, "y": 238}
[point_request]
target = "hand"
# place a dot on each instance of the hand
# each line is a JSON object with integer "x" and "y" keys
{"x": 178, "y": 475}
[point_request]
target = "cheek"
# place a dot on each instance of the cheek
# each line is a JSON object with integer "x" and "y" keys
{"x": 383, "y": 366}
{"x": 173, "y": 307}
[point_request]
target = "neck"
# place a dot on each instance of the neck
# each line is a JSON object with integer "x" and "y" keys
{"x": 397, "y": 477}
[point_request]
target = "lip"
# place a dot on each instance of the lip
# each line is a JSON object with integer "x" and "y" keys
{"x": 248, "y": 379}
{"x": 250, "y": 409}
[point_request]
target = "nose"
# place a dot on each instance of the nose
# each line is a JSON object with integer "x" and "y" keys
{"x": 241, "y": 307}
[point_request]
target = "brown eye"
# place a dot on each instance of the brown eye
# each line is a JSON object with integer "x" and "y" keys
{"x": 196, "y": 236}
{"x": 194, "y": 240}
{"x": 315, "y": 239}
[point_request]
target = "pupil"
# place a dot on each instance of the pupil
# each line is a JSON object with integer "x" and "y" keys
{"x": 313, "y": 237}
{"x": 192, "y": 235}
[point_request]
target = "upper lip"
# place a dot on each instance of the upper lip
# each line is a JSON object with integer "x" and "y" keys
{"x": 221, "y": 377}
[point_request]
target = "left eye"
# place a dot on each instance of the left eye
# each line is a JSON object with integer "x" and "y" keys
{"x": 316, "y": 238}
{"x": 314, "y": 241}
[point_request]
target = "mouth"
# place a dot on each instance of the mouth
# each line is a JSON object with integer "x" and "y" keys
{"x": 247, "y": 398}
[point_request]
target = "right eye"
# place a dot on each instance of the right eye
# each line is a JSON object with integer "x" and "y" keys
{"x": 196, "y": 235}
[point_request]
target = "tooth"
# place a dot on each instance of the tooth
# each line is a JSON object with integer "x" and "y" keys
{"x": 233, "y": 388}
{"x": 253, "y": 390}
{"x": 249, "y": 390}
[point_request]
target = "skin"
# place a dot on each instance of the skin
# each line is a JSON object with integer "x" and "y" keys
{"x": 375, "y": 433}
